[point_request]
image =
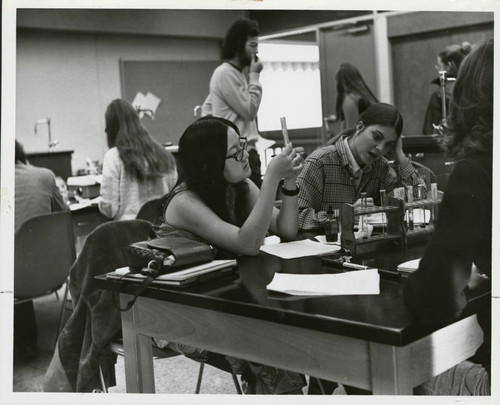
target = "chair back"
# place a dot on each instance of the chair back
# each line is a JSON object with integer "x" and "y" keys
{"x": 149, "y": 211}
{"x": 44, "y": 251}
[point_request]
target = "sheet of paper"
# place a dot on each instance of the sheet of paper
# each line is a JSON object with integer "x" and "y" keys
{"x": 409, "y": 266}
{"x": 300, "y": 248}
{"x": 360, "y": 282}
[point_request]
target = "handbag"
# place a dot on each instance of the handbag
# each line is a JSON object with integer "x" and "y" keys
{"x": 172, "y": 251}
{"x": 169, "y": 253}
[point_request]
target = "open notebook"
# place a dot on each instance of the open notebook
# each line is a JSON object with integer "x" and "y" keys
{"x": 183, "y": 277}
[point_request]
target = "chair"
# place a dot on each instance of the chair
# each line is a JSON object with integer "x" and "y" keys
{"x": 117, "y": 348}
{"x": 44, "y": 251}
{"x": 149, "y": 210}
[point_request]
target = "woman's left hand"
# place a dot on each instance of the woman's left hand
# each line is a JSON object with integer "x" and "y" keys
{"x": 297, "y": 161}
{"x": 399, "y": 155}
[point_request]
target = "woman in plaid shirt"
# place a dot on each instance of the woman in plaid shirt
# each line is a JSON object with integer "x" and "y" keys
{"x": 355, "y": 163}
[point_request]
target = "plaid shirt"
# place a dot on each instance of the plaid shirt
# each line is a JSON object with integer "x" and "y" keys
{"x": 327, "y": 179}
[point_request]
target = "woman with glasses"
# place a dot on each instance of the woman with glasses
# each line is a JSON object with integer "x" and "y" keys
{"x": 218, "y": 202}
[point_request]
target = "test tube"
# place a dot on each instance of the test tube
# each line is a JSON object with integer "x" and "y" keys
{"x": 434, "y": 197}
{"x": 284, "y": 130}
{"x": 409, "y": 199}
{"x": 383, "y": 203}
{"x": 362, "y": 218}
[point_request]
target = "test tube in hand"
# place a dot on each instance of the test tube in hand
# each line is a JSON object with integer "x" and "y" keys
{"x": 284, "y": 130}
{"x": 383, "y": 203}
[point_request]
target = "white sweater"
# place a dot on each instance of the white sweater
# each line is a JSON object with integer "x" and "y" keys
{"x": 122, "y": 196}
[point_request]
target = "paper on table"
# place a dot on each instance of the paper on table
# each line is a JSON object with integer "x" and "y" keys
{"x": 409, "y": 266}
{"x": 300, "y": 248}
{"x": 360, "y": 282}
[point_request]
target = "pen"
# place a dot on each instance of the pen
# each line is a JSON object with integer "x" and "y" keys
{"x": 340, "y": 263}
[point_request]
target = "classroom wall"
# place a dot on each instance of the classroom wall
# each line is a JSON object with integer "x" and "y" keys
{"x": 71, "y": 78}
{"x": 67, "y": 66}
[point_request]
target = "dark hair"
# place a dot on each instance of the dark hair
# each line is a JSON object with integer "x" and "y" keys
{"x": 470, "y": 121}
{"x": 379, "y": 114}
{"x": 142, "y": 156}
{"x": 20, "y": 154}
{"x": 453, "y": 55}
{"x": 202, "y": 154}
{"x": 349, "y": 80}
{"x": 237, "y": 35}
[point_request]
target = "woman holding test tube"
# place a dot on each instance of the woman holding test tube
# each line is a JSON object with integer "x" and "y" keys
{"x": 219, "y": 203}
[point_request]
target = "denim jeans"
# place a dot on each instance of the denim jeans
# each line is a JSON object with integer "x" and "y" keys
{"x": 465, "y": 378}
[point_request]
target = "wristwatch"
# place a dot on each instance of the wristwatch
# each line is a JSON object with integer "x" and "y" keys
{"x": 290, "y": 193}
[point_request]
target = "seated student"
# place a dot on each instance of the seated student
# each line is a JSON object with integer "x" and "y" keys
{"x": 136, "y": 168}
{"x": 355, "y": 163}
{"x": 459, "y": 254}
{"x": 219, "y": 203}
{"x": 36, "y": 193}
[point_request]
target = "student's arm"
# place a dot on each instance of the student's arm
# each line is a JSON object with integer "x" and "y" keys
{"x": 187, "y": 211}
{"x": 245, "y": 101}
{"x": 311, "y": 184}
{"x": 110, "y": 186}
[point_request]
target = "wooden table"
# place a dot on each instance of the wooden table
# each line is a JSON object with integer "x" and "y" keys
{"x": 370, "y": 342}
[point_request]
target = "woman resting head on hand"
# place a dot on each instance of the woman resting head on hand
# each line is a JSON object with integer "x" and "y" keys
{"x": 218, "y": 202}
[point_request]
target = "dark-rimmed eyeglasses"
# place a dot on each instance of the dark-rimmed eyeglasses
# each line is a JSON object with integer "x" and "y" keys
{"x": 238, "y": 156}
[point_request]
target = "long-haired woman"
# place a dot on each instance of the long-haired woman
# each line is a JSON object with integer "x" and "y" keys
{"x": 458, "y": 258}
{"x": 136, "y": 168}
{"x": 220, "y": 204}
{"x": 353, "y": 95}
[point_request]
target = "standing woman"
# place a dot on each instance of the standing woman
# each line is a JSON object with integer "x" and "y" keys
{"x": 220, "y": 204}
{"x": 458, "y": 257}
{"x": 448, "y": 60}
{"x": 136, "y": 168}
{"x": 353, "y": 95}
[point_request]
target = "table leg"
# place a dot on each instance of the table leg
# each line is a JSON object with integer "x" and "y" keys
{"x": 390, "y": 370}
{"x": 139, "y": 369}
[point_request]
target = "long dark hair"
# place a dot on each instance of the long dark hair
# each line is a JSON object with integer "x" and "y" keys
{"x": 237, "y": 35}
{"x": 143, "y": 157}
{"x": 470, "y": 121}
{"x": 202, "y": 154}
{"x": 380, "y": 114}
{"x": 349, "y": 80}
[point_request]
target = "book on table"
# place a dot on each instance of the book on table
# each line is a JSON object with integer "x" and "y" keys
{"x": 182, "y": 277}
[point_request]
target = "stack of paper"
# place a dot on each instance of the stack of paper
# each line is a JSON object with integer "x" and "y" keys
{"x": 361, "y": 282}
{"x": 409, "y": 266}
{"x": 300, "y": 248}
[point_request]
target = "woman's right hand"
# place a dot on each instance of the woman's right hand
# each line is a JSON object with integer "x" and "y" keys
{"x": 287, "y": 165}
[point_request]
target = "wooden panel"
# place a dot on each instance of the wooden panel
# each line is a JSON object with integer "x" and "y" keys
{"x": 337, "y": 47}
{"x": 181, "y": 85}
{"x": 323, "y": 355}
{"x": 417, "y": 23}
{"x": 444, "y": 348}
{"x": 389, "y": 366}
{"x": 414, "y": 57}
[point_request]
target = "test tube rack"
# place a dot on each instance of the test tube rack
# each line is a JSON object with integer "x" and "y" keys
{"x": 417, "y": 231}
{"x": 394, "y": 229}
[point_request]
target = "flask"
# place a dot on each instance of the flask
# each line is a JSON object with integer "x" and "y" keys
{"x": 331, "y": 226}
